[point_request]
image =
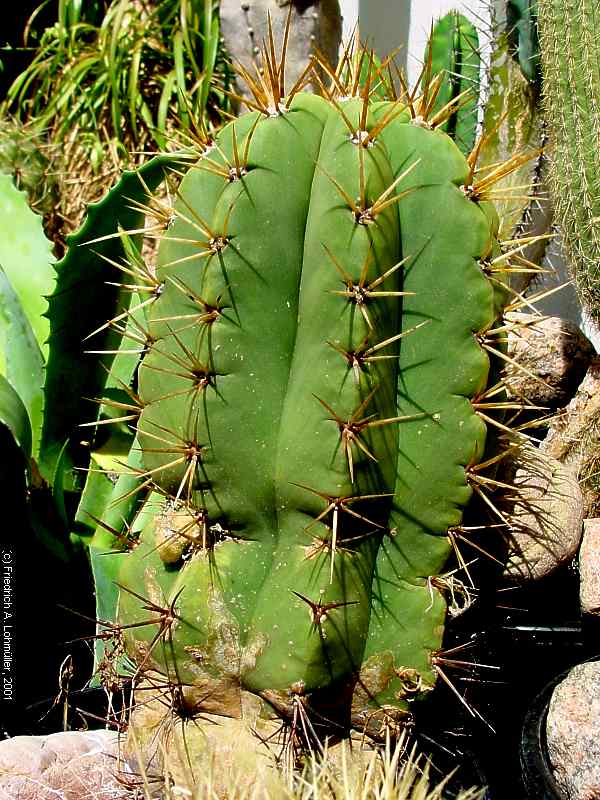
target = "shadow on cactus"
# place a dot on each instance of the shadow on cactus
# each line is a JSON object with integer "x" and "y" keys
{"x": 308, "y": 376}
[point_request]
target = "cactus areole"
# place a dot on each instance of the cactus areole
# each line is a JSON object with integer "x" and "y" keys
{"x": 310, "y": 421}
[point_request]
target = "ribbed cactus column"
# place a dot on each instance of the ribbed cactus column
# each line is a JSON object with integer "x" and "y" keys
{"x": 570, "y": 50}
{"x": 307, "y": 420}
{"x": 454, "y": 52}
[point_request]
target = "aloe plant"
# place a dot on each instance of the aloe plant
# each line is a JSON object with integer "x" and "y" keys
{"x": 46, "y": 382}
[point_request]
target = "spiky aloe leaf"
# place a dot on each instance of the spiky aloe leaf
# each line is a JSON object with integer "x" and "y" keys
{"x": 105, "y": 515}
{"x": 454, "y": 53}
{"x": 14, "y": 417}
{"x": 85, "y": 282}
{"x": 21, "y": 360}
{"x": 26, "y": 257}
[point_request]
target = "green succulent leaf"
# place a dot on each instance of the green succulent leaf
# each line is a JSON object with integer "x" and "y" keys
{"x": 105, "y": 515}
{"x": 14, "y": 417}
{"x": 84, "y": 299}
{"x": 21, "y": 360}
{"x": 26, "y": 257}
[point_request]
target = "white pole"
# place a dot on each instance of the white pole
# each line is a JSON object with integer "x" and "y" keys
{"x": 349, "y": 10}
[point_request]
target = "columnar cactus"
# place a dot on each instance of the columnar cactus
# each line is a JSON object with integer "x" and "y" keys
{"x": 300, "y": 388}
{"x": 310, "y": 420}
{"x": 522, "y": 29}
{"x": 453, "y": 54}
{"x": 570, "y": 49}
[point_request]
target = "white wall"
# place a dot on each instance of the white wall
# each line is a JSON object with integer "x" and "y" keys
{"x": 389, "y": 24}
{"x": 424, "y": 12}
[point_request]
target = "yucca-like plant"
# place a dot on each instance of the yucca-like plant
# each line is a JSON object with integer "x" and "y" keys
{"x": 108, "y": 81}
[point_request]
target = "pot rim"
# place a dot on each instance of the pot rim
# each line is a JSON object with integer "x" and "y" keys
{"x": 536, "y": 772}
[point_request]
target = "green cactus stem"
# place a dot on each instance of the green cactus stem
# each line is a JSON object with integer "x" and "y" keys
{"x": 523, "y": 35}
{"x": 453, "y": 51}
{"x": 309, "y": 427}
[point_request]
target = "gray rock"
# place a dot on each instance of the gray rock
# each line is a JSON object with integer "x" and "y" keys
{"x": 573, "y": 733}
{"x": 589, "y": 567}
{"x": 314, "y": 26}
{"x": 546, "y": 520}
{"x": 75, "y": 765}
{"x": 553, "y": 356}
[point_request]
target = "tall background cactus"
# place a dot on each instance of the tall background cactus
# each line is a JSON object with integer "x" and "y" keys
{"x": 570, "y": 50}
{"x": 453, "y": 54}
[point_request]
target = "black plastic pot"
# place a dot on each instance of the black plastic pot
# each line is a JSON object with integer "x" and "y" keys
{"x": 535, "y": 763}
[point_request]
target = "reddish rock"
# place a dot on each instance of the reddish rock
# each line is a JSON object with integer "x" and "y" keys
{"x": 589, "y": 567}
{"x": 573, "y": 733}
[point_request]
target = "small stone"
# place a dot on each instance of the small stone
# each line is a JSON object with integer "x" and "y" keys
{"x": 553, "y": 355}
{"x": 589, "y": 567}
{"x": 573, "y": 733}
{"x": 546, "y": 520}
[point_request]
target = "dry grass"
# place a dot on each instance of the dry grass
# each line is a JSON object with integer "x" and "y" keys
{"x": 395, "y": 772}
